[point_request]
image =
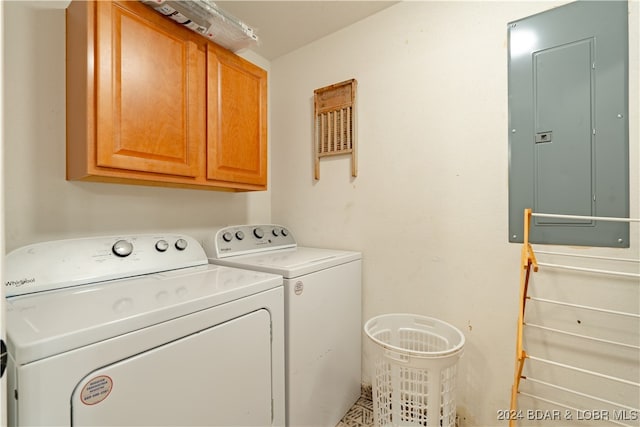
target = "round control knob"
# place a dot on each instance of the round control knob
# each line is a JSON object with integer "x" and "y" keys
{"x": 284, "y": 232}
{"x": 274, "y": 232}
{"x": 162, "y": 245}
{"x": 122, "y": 248}
{"x": 258, "y": 233}
{"x": 239, "y": 235}
{"x": 227, "y": 237}
{"x": 181, "y": 244}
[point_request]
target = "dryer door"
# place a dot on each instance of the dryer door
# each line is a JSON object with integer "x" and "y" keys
{"x": 214, "y": 377}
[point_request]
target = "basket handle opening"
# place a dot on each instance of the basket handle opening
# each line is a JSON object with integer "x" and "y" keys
{"x": 424, "y": 322}
{"x": 398, "y": 357}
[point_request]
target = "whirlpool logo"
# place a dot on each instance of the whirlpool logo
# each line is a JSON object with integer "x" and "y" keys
{"x": 19, "y": 283}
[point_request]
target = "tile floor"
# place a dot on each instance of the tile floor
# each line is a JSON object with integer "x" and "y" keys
{"x": 361, "y": 413}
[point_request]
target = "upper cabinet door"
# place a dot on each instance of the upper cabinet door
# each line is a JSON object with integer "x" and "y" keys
{"x": 236, "y": 119}
{"x": 150, "y": 100}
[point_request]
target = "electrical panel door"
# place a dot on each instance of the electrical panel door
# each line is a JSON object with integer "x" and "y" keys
{"x": 568, "y": 123}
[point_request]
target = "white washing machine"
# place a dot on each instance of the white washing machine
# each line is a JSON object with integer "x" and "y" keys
{"x": 322, "y": 316}
{"x": 141, "y": 330}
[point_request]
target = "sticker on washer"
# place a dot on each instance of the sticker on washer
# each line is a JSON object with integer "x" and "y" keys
{"x": 298, "y": 288}
{"x": 96, "y": 390}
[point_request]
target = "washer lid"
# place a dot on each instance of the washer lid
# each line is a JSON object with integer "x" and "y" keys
{"x": 48, "y": 323}
{"x": 291, "y": 263}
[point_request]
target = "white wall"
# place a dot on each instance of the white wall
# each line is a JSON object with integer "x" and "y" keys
{"x": 429, "y": 207}
{"x": 40, "y": 203}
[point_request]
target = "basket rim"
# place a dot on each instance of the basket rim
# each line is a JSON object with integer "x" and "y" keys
{"x": 423, "y": 354}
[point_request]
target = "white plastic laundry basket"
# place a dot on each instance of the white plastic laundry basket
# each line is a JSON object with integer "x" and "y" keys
{"x": 414, "y": 370}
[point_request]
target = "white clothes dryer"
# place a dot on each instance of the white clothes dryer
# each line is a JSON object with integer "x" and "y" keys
{"x": 322, "y": 316}
{"x": 141, "y": 330}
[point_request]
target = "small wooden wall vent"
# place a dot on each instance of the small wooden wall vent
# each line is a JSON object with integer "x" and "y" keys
{"x": 335, "y": 123}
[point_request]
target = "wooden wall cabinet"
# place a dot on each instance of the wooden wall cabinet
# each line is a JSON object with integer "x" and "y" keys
{"x": 150, "y": 102}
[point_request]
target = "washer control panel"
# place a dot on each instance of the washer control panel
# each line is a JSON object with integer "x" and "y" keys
{"x": 64, "y": 263}
{"x": 245, "y": 239}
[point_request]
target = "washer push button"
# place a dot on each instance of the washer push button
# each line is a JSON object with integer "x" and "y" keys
{"x": 122, "y": 248}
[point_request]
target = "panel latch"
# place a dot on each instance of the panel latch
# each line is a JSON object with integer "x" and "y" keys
{"x": 543, "y": 137}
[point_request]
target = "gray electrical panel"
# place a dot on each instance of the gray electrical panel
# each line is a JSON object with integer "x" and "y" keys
{"x": 568, "y": 123}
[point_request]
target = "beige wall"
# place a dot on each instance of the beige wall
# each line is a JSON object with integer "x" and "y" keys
{"x": 429, "y": 206}
{"x": 40, "y": 203}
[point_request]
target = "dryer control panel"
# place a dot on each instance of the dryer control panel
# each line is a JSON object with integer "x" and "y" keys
{"x": 245, "y": 239}
{"x": 65, "y": 263}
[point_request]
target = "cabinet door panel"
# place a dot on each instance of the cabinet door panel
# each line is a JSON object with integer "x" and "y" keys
{"x": 236, "y": 126}
{"x": 150, "y": 96}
